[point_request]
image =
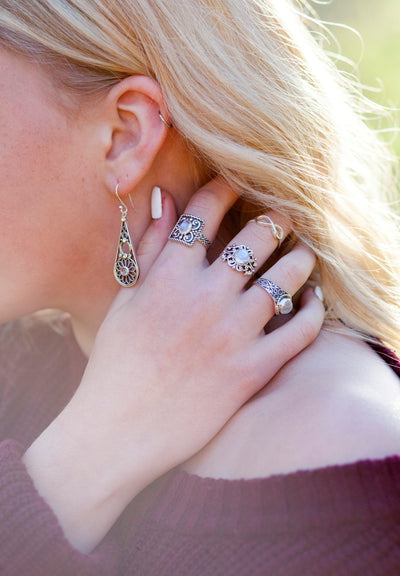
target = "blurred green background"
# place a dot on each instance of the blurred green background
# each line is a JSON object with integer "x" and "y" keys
{"x": 377, "y": 52}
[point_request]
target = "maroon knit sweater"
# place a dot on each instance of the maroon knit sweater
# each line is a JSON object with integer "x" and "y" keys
{"x": 340, "y": 520}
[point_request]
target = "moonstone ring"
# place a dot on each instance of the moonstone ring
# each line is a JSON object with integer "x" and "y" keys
{"x": 241, "y": 258}
{"x": 282, "y": 300}
{"x": 188, "y": 229}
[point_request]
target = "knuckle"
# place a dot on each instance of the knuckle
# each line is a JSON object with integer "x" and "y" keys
{"x": 203, "y": 201}
{"x": 162, "y": 275}
{"x": 206, "y": 301}
{"x": 281, "y": 220}
{"x": 295, "y": 267}
{"x": 304, "y": 252}
{"x": 145, "y": 247}
{"x": 214, "y": 197}
{"x": 245, "y": 373}
{"x": 261, "y": 233}
{"x": 291, "y": 273}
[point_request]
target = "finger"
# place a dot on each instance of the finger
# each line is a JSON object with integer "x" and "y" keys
{"x": 290, "y": 273}
{"x": 256, "y": 242}
{"x": 156, "y": 235}
{"x": 289, "y": 340}
{"x": 210, "y": 203}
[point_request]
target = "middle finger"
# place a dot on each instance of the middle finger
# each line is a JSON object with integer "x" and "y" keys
{"x": 249, "y": 249}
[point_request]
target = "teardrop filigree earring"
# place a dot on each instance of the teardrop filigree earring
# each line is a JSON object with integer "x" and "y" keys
{"x": 126, "y": 268}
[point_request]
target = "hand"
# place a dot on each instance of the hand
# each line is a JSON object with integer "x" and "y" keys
{"x": 175, "y": 358}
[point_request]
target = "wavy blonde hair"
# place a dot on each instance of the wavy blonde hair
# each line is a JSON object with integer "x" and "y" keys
{"x": 250, "y": 89}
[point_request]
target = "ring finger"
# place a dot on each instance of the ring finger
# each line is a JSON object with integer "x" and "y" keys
{"x": 289, "y": 274}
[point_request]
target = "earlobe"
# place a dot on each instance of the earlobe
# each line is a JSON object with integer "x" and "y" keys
{"x": 139, "y": 129}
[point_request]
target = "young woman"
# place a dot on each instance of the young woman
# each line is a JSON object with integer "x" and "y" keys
{"x": 106, "y": 102}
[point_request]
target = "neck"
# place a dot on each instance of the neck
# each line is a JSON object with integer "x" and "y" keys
{"x": 173, "y": 170}
{"x": 87, "y": 319}
{"x": 86, "y": 325}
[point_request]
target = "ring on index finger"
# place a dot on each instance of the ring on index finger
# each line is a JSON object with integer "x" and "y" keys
{"x": 188, "y": 229}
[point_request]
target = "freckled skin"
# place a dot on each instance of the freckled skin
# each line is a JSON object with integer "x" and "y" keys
{"x": 56, "y": 224}
{"x": 61, "y": 157}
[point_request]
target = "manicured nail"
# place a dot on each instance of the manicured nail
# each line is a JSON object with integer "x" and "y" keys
{"x": 318, "y": 292}
{"x": 156, "y": 203}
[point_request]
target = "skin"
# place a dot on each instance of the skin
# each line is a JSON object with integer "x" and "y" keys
{"x": 66, "y": 161}
{"x": 71, "y": 163}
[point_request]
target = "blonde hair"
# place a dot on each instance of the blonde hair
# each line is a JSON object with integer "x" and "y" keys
{"x": 258, "y": 101}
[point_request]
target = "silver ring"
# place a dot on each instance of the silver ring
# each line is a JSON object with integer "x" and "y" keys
{"x": 282, "y": 300}
{"x": 241, "y": 258}
{"x": 277, "y": 231}
{"x": 188, "y": 229}
{"x": 164, "y": 121}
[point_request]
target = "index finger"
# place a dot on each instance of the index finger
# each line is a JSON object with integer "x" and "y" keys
{"x": 209, "y": 204}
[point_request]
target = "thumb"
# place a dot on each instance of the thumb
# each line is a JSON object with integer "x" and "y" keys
{"x": 156, "y": 235}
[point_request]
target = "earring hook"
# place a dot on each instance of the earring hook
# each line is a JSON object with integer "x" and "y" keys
{"x": 123, "y": 207}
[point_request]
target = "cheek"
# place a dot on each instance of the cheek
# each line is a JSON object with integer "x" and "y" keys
{"x": 40, "y": 204}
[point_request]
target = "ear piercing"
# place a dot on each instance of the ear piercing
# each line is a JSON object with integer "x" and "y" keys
{"x": 167, "y": 124}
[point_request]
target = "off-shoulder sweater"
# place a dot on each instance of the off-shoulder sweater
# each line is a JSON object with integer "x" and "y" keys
{"x": 339, "y": 520}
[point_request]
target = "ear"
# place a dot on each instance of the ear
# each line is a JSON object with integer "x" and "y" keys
{"x": 136, "y": 131}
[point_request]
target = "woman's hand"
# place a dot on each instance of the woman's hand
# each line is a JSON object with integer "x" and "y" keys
{"x": 175, "y": 358}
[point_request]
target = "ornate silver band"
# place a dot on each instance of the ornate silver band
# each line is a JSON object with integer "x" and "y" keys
{"x": 188, "y": 229}
{"x": 240, "y": 258}
{"x": 282, "y": 300}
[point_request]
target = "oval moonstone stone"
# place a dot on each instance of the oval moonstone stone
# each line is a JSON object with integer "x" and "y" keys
{"x": 242, "y": 256}
{"x": 285, "y": 305}
{"x": 185, "y": 227}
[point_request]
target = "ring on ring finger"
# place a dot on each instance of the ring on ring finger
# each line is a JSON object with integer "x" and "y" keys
{"x": 282, "y": 300}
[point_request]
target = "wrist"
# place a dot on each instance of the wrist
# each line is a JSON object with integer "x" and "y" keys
{"x": 83, "y": 473}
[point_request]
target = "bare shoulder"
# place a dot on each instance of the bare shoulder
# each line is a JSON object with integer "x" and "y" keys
{"x": 335, "y": 403}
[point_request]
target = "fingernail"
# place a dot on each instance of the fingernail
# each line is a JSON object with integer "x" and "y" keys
{"x": 156, "y": 203}
{"x": 318, "y": 292}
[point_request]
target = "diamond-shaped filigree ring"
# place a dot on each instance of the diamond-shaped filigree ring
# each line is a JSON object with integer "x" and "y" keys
{"x": 188, "y": 229}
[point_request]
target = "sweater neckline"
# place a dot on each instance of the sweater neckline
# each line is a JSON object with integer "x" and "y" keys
{"x": 338, "y": 494}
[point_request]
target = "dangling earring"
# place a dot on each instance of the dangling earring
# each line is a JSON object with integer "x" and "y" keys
{"x": 126, "y": 268}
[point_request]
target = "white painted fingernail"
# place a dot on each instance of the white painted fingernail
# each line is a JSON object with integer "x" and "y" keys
{"x": 318, "y": 292}
{"x": 156, "y": 203}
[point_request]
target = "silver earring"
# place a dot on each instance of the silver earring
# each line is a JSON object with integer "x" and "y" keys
{"x": 126, "y": 268}
{"x": 164, "y": 121}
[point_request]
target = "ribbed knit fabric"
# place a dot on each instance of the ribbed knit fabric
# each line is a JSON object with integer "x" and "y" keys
{"x": 342, "y": 520}
{"x": 339, "y": 520}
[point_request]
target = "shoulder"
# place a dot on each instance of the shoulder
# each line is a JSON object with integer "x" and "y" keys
{"x": 337, "y": 402}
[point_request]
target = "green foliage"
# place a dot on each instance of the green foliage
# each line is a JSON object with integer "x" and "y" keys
{"x": 373, "y": 45}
